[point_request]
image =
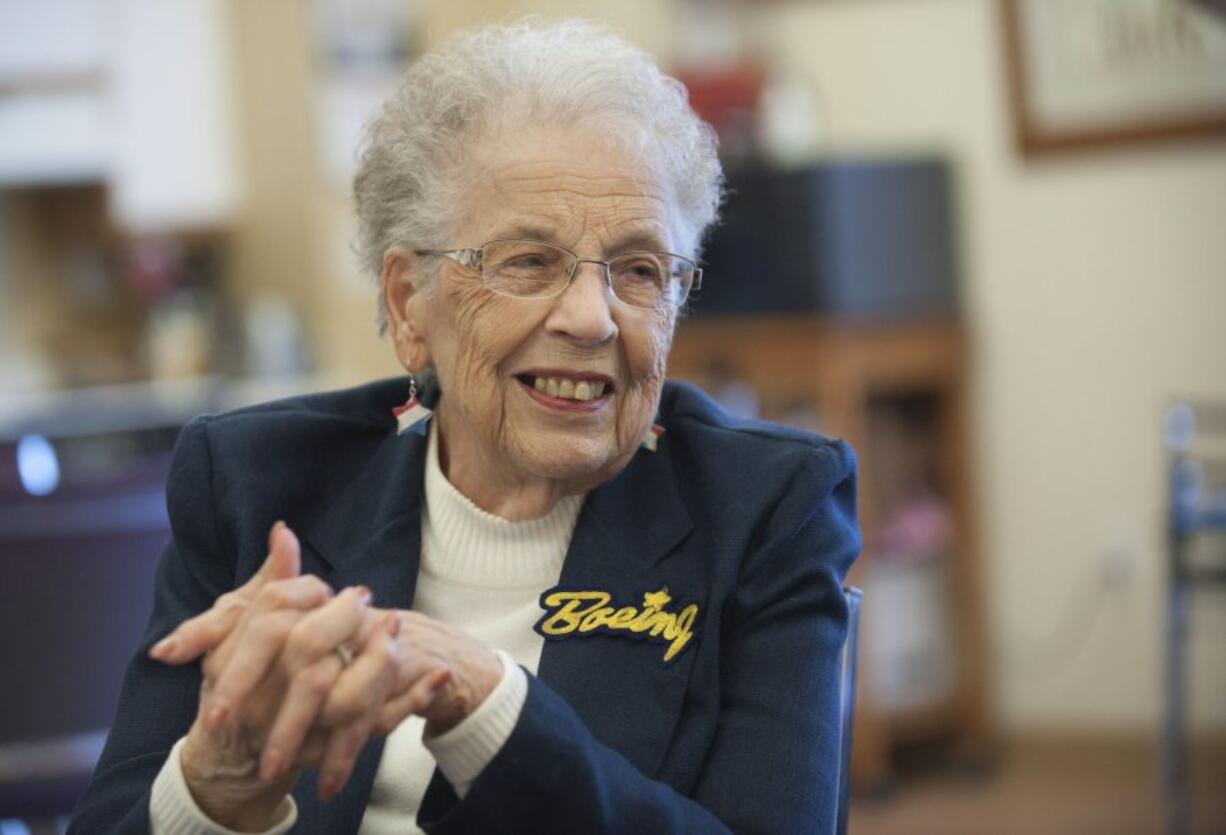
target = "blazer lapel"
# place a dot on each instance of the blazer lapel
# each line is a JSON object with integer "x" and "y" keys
{"x": 370, "y": 530}
{"x": 370, "y": 534}
{"x": 619, "y": 684}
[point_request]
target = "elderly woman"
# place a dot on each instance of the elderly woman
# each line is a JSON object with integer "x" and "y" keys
{"x": 549, "y": 593}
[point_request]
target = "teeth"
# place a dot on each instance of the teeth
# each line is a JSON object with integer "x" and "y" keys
{"x": 568, "y": 389}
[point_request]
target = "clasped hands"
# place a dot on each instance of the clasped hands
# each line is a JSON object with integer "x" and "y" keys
{"x": 277, "y": 696}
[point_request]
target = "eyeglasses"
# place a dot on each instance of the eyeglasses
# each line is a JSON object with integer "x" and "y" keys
{"x": 536, "y": 270}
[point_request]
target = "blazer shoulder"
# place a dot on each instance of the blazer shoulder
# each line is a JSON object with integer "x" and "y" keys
{"x": 309, "y": 419}
{"x": 751, "y": 451}
{"x": 309, "y": 440}
{"x": 370, "y": 404}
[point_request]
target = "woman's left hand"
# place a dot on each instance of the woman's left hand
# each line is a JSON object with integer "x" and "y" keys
{"x": 425, "y": 644}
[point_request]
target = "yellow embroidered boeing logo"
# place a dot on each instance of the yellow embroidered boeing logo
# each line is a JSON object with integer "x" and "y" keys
{"x": 586, "y": 612}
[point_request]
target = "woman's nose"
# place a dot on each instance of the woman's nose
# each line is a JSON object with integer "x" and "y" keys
{"x": 584, "y": 309}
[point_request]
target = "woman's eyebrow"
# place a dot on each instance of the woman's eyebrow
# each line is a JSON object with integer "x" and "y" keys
{"x": 634, "y": 241}
{"x": 529, "y": 232}
{"x": 637, "y": 241}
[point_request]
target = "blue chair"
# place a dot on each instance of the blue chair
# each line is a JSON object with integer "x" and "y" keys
{"x": 1196, "y": 507}
{"x": 847, "y": 699}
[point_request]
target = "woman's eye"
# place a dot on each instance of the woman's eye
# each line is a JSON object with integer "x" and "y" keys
{"x": 648, "y": 271}
{"x": 526, "y": 262}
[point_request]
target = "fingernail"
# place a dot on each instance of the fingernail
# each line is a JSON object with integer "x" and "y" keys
{"x": 164, "y": 647}
{"x": 441, "y": 679}
{"x": 364, "y": 595}
{"x": 272, "y": 533}
{"x": 272, "y": 764}
{"x": 327, "y": 788}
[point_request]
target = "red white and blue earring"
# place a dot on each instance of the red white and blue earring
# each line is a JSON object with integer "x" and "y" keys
{"x": 651, "y": 438}
{"x": 413, "y": 416}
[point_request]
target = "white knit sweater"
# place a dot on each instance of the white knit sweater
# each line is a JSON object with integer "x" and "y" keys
{"x": 480, "y": 572}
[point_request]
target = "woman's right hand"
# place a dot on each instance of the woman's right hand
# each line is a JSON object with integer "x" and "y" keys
{"x": 270, "y": 664}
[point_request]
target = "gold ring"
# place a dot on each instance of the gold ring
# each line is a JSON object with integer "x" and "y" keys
{"x": 344, "y": 654}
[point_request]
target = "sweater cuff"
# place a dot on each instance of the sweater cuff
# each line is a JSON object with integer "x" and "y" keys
{"x": 173, "y": 810}
{"x": 463, "y": 752}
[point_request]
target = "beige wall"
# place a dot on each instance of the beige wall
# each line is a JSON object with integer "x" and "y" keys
{"x": 1095, "y": 287}
{"x": 1096, "y": 290}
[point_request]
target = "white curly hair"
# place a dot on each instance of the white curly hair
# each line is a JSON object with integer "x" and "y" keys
{"x": 412, "y": 166}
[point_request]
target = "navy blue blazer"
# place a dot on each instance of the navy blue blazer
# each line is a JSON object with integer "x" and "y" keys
{"x": 752, "y": 524}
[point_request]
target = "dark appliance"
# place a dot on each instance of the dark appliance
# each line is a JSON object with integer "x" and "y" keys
{"x": 849, "y": 238}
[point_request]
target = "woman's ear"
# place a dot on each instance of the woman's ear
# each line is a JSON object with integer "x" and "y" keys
{"x": 404, "y": 301}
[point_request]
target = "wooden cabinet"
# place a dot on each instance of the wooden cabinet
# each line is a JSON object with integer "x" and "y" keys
{"x": 837, "y": 373}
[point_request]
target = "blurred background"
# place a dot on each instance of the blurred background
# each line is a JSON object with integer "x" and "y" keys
{"x": 984, "y": 240}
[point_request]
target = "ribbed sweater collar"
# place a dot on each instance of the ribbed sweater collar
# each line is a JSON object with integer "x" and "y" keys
{"x": 463, "y": 543}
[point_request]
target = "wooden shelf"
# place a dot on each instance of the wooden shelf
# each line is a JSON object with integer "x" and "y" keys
{"x": 840, "y": 367}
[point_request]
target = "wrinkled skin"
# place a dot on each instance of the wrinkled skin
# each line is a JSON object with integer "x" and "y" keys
{"x": 501, "y": 449}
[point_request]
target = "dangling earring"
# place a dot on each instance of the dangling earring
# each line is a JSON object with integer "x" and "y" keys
{"x": 412, "y": 416}
{"x": 651, "y": 438}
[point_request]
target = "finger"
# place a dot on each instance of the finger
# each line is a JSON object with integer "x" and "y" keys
{"x": 198, "y": 635}
{"x": 373, "y": 672}
{"x": 206, "y": 631}
{"x": 304, "y": 592}
{"x": 259, "y": 645}
{"x": 284, "y": 560}
{"x": 370, "y": 622}
{"x": 312, "y": 684}
{"x": 306, "y": 694}
{"x": 415, "y": 700}
{"x": 361, "y": 689}
{"x": 321, "y": 631}
{"x": 298, "y": 595}
{"x": 342, "y": 752}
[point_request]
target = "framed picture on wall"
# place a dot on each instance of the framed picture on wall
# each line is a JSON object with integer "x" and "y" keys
{"x": 1086, "y": 73}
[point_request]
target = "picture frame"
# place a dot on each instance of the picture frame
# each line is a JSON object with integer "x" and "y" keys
{"x": 1095, "y": 73}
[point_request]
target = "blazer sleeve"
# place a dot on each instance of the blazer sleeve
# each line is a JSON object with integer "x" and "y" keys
{"x": 774, "y": 761}
{"x": 158, "y": 703}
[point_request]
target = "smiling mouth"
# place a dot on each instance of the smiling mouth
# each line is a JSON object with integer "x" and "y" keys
{"x": 581, "y": 389}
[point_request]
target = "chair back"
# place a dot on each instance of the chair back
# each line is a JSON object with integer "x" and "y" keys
{"x": 847, "y": 701}
{"x": 1195, "y": 434}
